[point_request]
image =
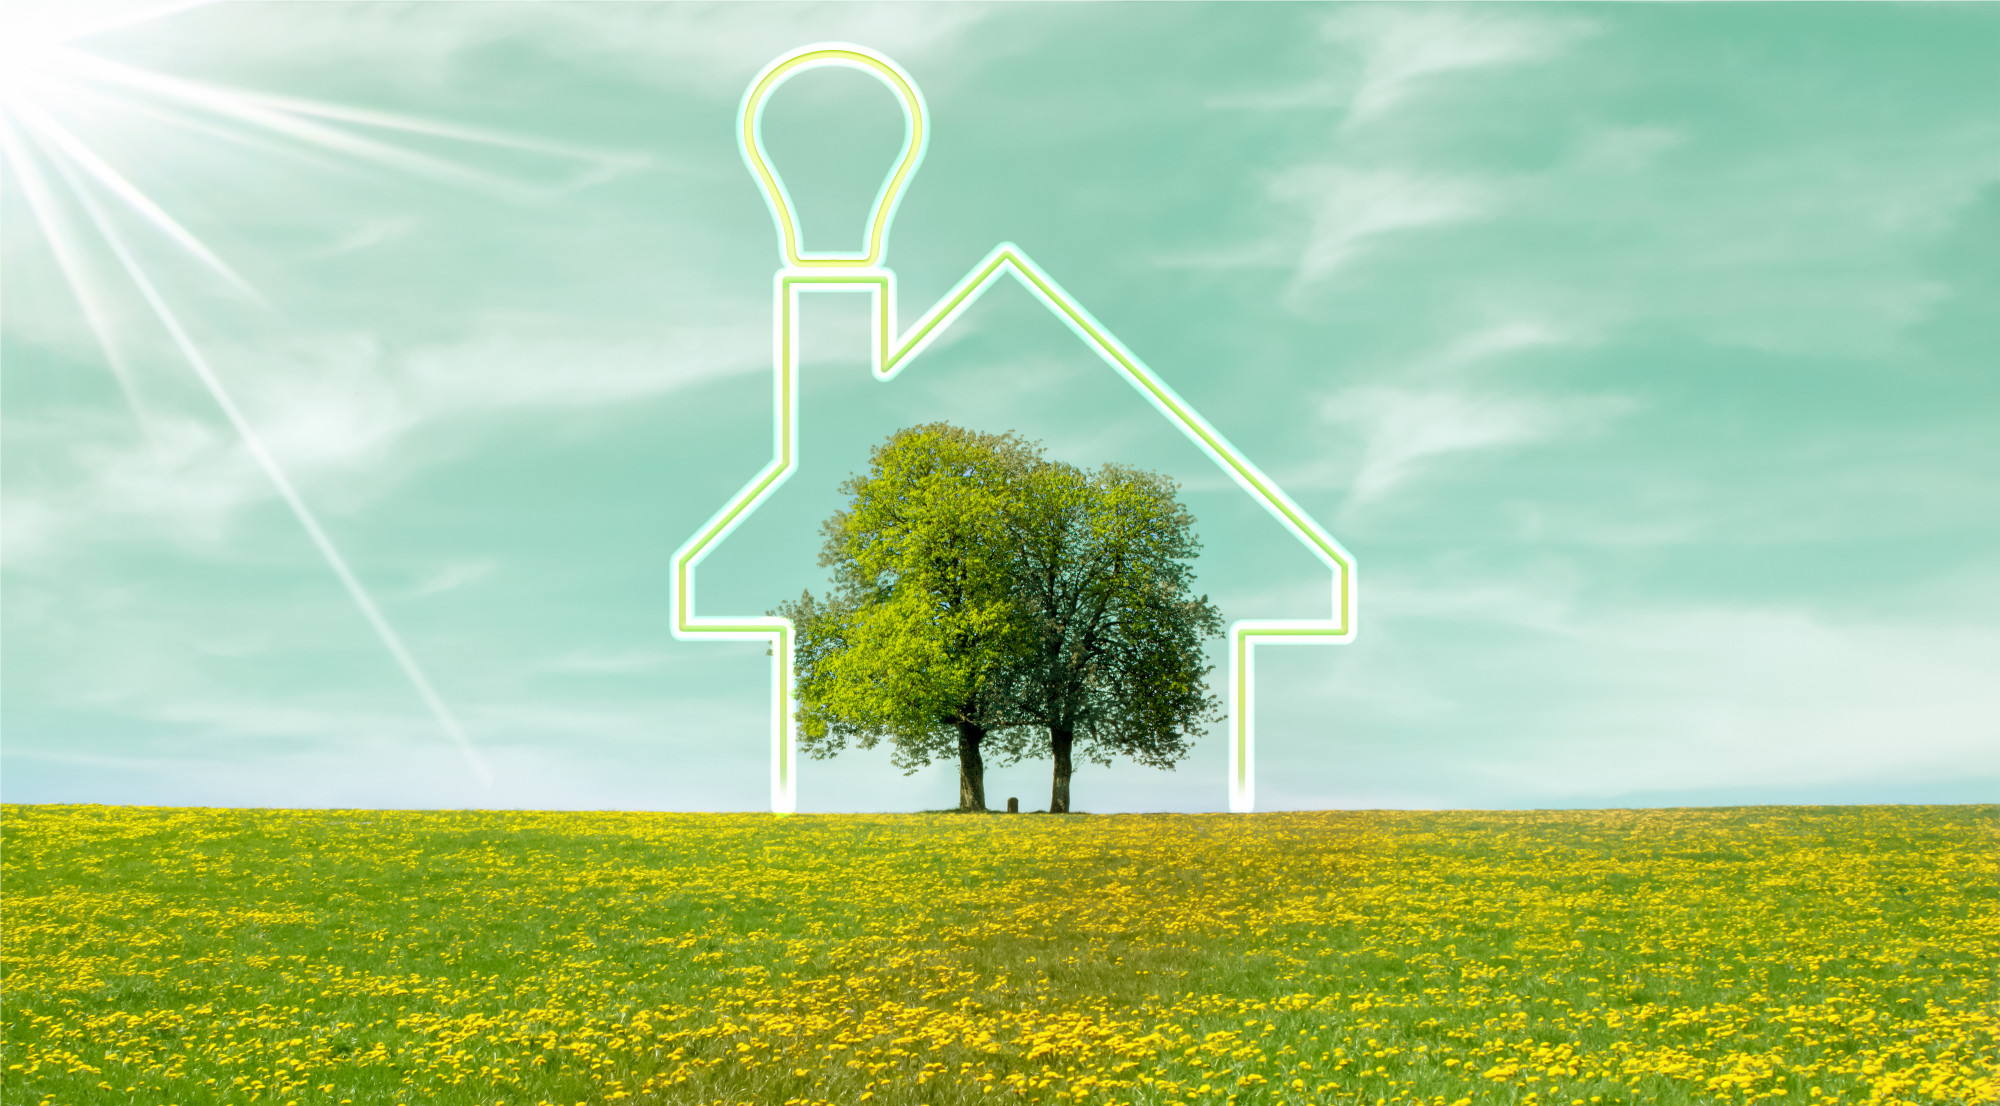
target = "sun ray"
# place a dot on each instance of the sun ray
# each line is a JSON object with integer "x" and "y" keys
{"x": 208, "y": 126}
{"x": 63, "y": 243}
{"x": 115, "y": 182}
{"x": 413, "y": 125}
{"x": 42, "y": 66}
{"x": 255, "y": 136}
{"x": 130, "y": 19}
{"x": 390, "y": 639}
{"x": 249, "y": 109}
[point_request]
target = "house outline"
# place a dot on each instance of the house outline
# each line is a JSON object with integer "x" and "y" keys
{"x": 835, "y": 271}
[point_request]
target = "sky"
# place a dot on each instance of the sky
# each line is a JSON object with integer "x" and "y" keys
{"x": 1641, "y": 355}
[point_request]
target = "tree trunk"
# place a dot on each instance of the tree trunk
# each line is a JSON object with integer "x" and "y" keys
{"x": 1059, "y": 743}
{"x": 971, "y": 769}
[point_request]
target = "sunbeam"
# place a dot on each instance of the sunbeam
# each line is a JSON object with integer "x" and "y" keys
{"x": 290, "y": 118}
{"x": 116, "y": 183}
{"x": 147, "y": 14}
{"x": 63, "y": 242}
{"x": 41, "y": 68}
{"x": 269, "y": 464}
{"x": 247, "y": 110}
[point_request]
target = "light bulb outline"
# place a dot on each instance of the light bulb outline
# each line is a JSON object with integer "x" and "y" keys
{"x": 778, "y": 199}
{"x": 893, "y": 348}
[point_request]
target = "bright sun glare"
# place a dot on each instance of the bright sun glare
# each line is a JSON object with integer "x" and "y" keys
{"x": 90, "y": 214}
{"x": 22, "y": 53}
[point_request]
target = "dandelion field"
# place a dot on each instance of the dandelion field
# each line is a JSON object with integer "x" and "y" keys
{"x": 1778, "y": 954}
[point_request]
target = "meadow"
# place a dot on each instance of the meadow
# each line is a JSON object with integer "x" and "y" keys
{"x": 349, "y": 958}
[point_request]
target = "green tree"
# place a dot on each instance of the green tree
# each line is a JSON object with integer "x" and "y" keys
{"x": 984, "y": 595}
{"x": 915, "y": 639}
{"x": 1103, "y": 567}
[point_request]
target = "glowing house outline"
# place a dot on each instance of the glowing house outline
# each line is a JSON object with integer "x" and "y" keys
{"x": 863, "y": 272}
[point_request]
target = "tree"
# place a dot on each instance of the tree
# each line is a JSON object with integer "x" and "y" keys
{"x": 914, "y": 640}
{"x": 983, "y": 593}
{"x": 1102, "y": 574}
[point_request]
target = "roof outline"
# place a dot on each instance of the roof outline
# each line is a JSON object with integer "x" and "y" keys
{"x": 863, "y": 273}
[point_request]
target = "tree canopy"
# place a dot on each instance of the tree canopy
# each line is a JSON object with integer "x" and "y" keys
{"x": 1102, "y": 582}
{"x": 921, "y": 624}
{"x": 989, "y": 600}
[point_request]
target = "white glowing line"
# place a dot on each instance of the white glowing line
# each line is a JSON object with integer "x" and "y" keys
{"x": 62, "y": 242}
{"x": 125, "y": 190}
{"x": 269, "y": 464}
{"x": 847, "y": 272}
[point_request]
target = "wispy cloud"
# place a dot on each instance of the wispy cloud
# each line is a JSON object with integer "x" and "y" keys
{"x": 1404, "y": 430}
{"x": 1592, "y": 699}
{"x": 232, "y": 754}
{"x": 719, "y": 42}
{"x": 1351, "y": 194}
{"x": 1347, "y": 211}
{"x": 1753, "y": 694}
{"x": 1626, "y": 150}
{"x": 185, "y": 480}
{"x": 1345, "y": 208}
{"x": 1495, "y": 340}
{"x": 513, "y": 363}
{"x": 1384, "y": 54}
{"x": 452, "y": 577}
{"x": 599, "y": 662}
{"x": 345, "y": 413}
{"x": 367, "y": 233}
{"x": 1435, "y": 401}
{"x": 1404, "y": 48}
{"x": 704, "y": 47}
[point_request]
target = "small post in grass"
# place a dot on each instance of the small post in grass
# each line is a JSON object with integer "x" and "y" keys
{"x": 1013, "y": 806}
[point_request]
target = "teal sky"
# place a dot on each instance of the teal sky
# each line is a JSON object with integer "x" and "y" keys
{"x": 1642, "y": 355}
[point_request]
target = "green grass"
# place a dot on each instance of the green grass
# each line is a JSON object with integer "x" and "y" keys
{"x": 1803, "y": 954}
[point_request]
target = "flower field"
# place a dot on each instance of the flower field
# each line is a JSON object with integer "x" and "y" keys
{"x": 1780, "y": 954}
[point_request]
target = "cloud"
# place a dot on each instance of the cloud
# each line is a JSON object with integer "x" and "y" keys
{"x": 1403, "y": 429}
{"x": 724, "y": 45}
{"x": 27, "y": 528}
{"x": 1437, "y": 412}
{"x": 1579, "y": 699}
{"x": 561, "y": 760}
{"x": 1496, "y": 340}
{"x": 1403, "y": 48}
{"x": 709, "y": 48}
{"x": 186, "y": 478}
{"x": 347, "y": 413}
{"x": 597, "y": 662}
{"x": 1722, "y": 696}
{"x": 1346, "y": 208}
{"x": 367, "y": 233}
{"x": 1674, "y": 227}
{"x": 1392, "y": 51}
{"x": 1626, "y": 150}
{"x": 452, "y": 577}
{"x": 513, "y": 363}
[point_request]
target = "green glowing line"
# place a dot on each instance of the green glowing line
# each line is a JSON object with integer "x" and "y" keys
{"x": 943, "y": 309}
{"x": 885, "y": 201}
{"x": 1242, "y": 709}
{"x": 892, "y": 354}
{"x": 1146, "y": 380}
